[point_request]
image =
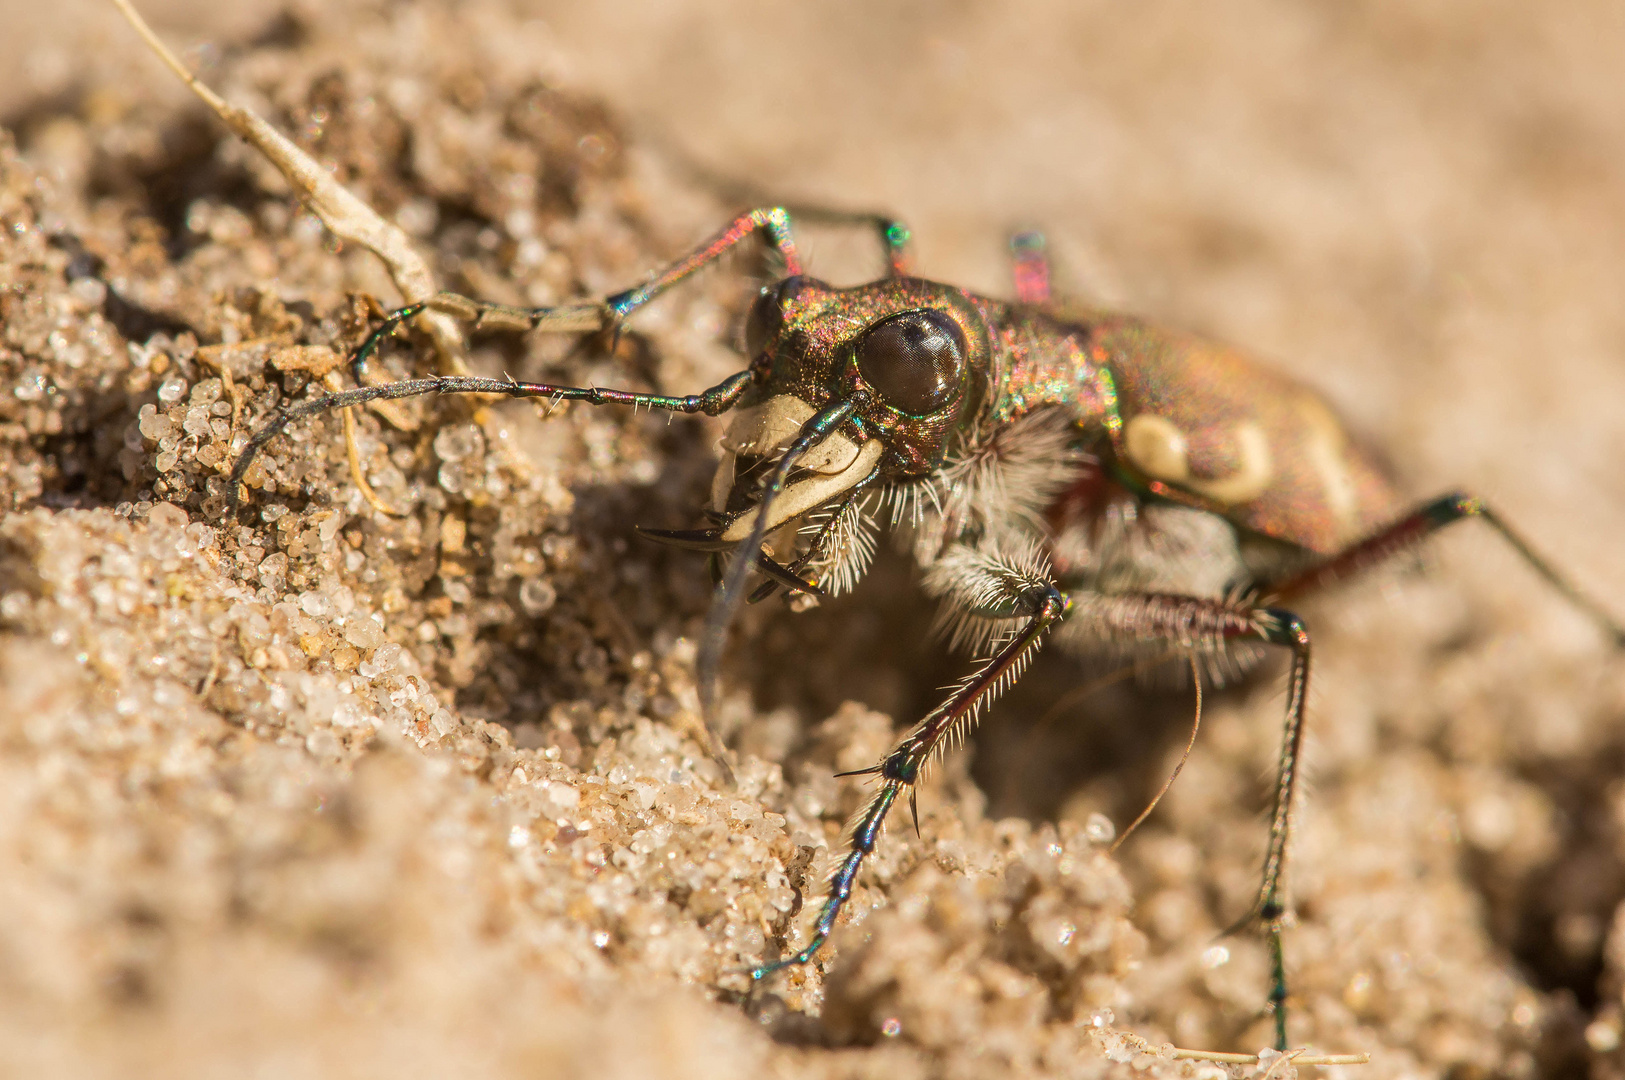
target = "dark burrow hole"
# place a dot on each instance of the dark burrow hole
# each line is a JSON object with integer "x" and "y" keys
{"x": 1556, "y": 920}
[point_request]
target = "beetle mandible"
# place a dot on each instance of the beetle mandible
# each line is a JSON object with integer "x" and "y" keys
{"x": 1056, "y": 471}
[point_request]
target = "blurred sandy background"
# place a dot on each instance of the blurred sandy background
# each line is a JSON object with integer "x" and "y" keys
{"x": 1416, "y": 207}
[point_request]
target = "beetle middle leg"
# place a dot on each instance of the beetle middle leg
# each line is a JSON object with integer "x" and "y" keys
{"x": 1198, "y": 625}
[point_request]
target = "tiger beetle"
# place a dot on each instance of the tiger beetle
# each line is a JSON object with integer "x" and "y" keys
{"x": 1056, "y": 471}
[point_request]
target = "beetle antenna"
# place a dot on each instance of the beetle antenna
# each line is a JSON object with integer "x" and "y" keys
{"x": 1196, "y": 725}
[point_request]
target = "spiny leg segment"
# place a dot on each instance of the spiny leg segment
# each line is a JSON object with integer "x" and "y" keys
{"x": 901, "y": 769}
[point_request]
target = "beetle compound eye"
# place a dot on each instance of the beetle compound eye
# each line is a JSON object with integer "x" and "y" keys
{"x": 915, "y": 361}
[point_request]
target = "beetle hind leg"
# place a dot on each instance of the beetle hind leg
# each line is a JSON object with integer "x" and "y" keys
{"x": 1417, "y": 526}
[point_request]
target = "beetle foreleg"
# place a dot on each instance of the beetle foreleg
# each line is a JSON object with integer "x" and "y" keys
{"x": 983, "y": 588}
{"x": 1416, "y": 526}
{"x": 902, "y": 768}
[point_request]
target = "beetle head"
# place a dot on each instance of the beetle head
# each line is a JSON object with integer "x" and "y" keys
{"x": 914, "y": 352}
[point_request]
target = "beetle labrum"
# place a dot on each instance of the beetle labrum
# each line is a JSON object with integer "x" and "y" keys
{"x": 1056, "y": 473}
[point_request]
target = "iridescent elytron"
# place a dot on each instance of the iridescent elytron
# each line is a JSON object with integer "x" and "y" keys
{"x": 1124, "y": 488}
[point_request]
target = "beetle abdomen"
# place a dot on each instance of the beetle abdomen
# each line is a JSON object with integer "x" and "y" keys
{"x": 1206, "y": 426}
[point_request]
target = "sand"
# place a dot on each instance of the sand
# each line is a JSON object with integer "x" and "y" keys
{"x": 321, "y": 791}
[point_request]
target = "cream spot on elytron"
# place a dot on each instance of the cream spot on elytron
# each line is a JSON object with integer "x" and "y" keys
{"x": 1158, "y": 448}
{"x": 1325, "y": 448}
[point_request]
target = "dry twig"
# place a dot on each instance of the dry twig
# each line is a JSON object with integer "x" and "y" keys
{"x": 345, "y": 215}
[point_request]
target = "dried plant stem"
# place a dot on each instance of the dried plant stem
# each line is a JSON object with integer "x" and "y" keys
{"x": 1275, "y": 1061}
{"x": 352, "y": 449}
{"x": 346, "y": 216}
